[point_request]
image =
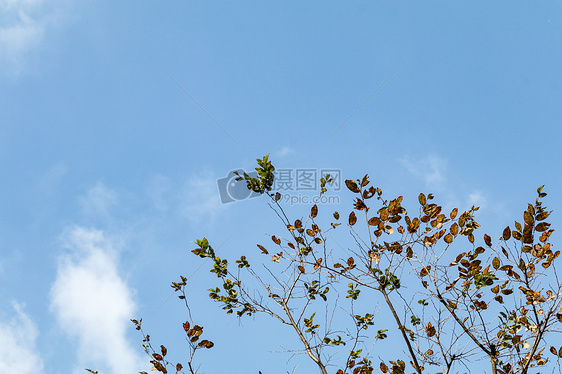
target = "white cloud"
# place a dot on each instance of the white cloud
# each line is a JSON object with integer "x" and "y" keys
{"x": 94, "y": 305}
{"x": 98, "y": 201}
{"x": 430, "y": 169}
{"x": 23, "y": 24}
{"x": 17, "y": 339}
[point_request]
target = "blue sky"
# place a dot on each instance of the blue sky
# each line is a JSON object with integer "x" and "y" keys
{"x": 109, "y": 169}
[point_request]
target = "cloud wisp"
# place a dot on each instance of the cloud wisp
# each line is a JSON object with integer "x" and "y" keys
{"x": 21, "y": 30}
{"x": 200, "y": 200}
{"x": 93, "y": 305}
{"x": 98, "y": 201}
{"x": 431, "y": 169}
{"x": 284, "y": 152}
{"x": 18, "y": 338}
{"x": 23, "y": 25}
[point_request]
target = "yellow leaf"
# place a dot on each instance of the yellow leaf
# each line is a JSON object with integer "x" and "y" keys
{"x": 352, "y": 219}
{"x": 454, "y": 213}
{"x": 314, "y": 211}
{"x": 506, "y": 233}
{"x": 430, "y": 330}
{"x": 384, "y": 368}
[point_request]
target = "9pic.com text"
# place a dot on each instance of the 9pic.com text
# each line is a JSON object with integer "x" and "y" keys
{"x": 291, "y": 199}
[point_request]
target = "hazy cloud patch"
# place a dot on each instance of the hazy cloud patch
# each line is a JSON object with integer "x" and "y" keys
{"x": 98, "y": 201}
{"x": 283, "y": 152}
{"x": 50, "y": 179}
{"x": 431, "y": 169}
{"x": 93, "y": 304}
{"x": 159, "y": 191}
{"x": 478, "y": 199}
{"x": 18, "y": 341}
{"x": 22, "y": 28}
{"x": 200, "y": 200}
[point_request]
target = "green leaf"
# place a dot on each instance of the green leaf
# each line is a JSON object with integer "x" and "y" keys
{"x": 381, "y": 334}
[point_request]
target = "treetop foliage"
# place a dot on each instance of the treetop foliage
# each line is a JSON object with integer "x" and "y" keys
{"x": 450, "y": 297}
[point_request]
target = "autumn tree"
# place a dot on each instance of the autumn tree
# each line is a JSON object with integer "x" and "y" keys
{"x": 453, "y": 297}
